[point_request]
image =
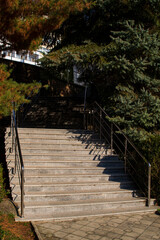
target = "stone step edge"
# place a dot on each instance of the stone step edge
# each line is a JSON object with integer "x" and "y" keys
{"x": 71, "y": 135}
{"x": 61, "y": 153}
{"x": 73, "y": 144}
{"x": 70, "y": 161}
{"x": 73, "y": 203}
{"x": 44, "y": 194}
{"x": 109, "y": 201}
{"x": 32, "y": 219}
{"x": 73, "y": 168}
{"x": 64, "y": 158}
{"x": 77, "y": 175}
{"x": 54, "y": 129}
{"x": 28, "y": 151}
{"x": 79, "y": 184}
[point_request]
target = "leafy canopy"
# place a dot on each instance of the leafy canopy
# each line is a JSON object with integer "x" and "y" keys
{"x": 123, "y": 61}
{"x": 23, "y": 25}
{"x": 24, "y": 22}
{"x": 13, "y": 92}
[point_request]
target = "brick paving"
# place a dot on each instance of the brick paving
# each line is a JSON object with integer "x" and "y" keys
{"x": 117, "y": 227}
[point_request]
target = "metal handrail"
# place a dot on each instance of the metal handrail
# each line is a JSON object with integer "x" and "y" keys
{"x": 19, "y": 165}
{"x": 122, "y": 145}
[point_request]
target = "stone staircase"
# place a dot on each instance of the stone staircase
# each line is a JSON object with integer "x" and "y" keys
{"x": 70, "y": 174}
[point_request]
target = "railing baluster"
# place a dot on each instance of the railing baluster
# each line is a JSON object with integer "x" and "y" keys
{"x": 149, "y": 184}
{"x": 100, "y": 124}
{"x": 126, "y": 149}
{"x": 111, "y": 138}
{"x": 15, "y": 164}
{"x": 93, "y": 120}
{"x": 22, "y": 192}
{"x": 125, "y": 156}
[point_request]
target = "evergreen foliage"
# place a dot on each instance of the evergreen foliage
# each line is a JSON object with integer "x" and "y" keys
{"x": 23, "y": 25}
{"x": 123, "y": 63}
{"x": 12, "y": 92}
{"x": 24, "y": 22}
{"x": 151, "y": 150}
{"x": 2, "y": 187}
{"x": 134, "y": 63}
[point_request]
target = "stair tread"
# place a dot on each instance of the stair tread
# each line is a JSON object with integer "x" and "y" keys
{"x": 75, "y": 176}
{"x": 62, "y": 157}
{"x": 71, "y": 161}
{"x": 84, "y": 202}
{"x": 70, "y": 143}
{"x": 80, "y": 184}
{"x": 73, "y": 168}
{"x": 80, "y": 174}
{"x": 88, "y": 214}
{"x": 79, "y": 192}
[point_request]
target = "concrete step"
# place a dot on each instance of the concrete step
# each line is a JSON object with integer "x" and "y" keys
{"x": 61, "y": 142}
{"x": 116, "y": 177}
{"x": 66, "y": 171}
{"x": 55, "y": 139}
{"x": 62, "y": 151}
{"x": 72, "y": 164}
{"x": 68, "y": 148}
{"x": 55, "y": 134}
{"x": 78, "y": 187}
{"x": 79, "y": 215}
{"x": 52, "y": 131}
{"x": 80, "y": 196}
{"x": 61, "y": 209}
{"x": 66, "y": 157}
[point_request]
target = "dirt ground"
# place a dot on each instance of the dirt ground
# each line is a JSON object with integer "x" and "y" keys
{"x": 11, "y": 230}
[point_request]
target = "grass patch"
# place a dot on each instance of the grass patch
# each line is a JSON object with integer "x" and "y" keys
{"x": 2, "y": 187}
{"x": 11, "y": 230}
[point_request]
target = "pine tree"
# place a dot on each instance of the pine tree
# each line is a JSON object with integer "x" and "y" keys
{"x": 124, "y": 65}
{"x": 134, "y": 63}
{"x": 23, "y": 24}
{"x": 12, "y": 92}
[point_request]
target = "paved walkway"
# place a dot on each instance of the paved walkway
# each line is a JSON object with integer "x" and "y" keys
{"x": 120, "y": 227}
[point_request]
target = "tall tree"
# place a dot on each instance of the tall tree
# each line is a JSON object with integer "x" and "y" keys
{"x": 12, "y": 92}
{"x": 123, "y": 64}
{"x": 23, "y": 23}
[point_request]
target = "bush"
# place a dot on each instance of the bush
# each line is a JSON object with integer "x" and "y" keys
{"x": 151, "y": 150}
{"x": 2, "y": 187}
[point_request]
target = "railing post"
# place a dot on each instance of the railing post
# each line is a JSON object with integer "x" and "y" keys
{"x": 84, "y": 120}
{"x": 93, "y": 120}
{"x": 87, "y": 120}
{"x": 100, "y": 123}
{"x": 111, "y": 138}
{"x": 125, "y": 156}
{"x": 15, "y": 163}
{"x": 85, "y": 97}
{"x": 22, "y": 192}
{"x": 12, "y": 132}
{"x": 149, "y": 184}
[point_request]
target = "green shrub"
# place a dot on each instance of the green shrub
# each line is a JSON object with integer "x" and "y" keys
{"x": 151, "y": 150}
{"x": 1, "y": 233}
{"x": 2, "y": 188}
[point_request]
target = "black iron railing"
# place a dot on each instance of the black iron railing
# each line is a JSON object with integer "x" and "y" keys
{"x": 18, "y": 166}
{"x": 135, "y": 163}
